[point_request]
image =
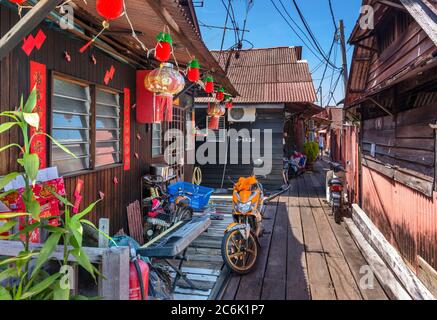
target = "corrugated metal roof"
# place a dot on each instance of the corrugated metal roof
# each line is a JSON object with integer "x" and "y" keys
{"x": 270, "y": 75}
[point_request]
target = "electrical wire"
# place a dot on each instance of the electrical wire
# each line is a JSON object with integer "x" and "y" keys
{"x": 297, "y": 34}
{"x": 311, "y": 34}
{"x": 334, "y": 20}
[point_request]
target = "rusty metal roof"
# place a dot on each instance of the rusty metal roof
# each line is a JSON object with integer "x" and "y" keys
{"x": 149, "y": 17}
{"x": 270, "y": 75}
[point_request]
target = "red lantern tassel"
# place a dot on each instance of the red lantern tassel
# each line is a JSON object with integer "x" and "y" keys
{"x": 165, "y": 106}
{"x": 213, "y": 123}
{"x": 89, "y": 43}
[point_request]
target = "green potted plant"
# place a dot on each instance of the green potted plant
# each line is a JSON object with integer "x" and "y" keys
{"x": 311, "y": 150}
{"x": 22, "y": 280}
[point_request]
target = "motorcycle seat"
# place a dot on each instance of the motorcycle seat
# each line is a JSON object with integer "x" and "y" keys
{"x": 335, "y": 181}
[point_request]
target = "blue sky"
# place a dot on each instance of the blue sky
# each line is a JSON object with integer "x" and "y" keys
{"x": 268, "y": 29}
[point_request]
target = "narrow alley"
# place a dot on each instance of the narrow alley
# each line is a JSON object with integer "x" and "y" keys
{"x": 305, "y": 254}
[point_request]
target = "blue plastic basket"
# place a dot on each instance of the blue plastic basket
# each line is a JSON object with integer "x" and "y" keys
{"x": 198, "y": 195}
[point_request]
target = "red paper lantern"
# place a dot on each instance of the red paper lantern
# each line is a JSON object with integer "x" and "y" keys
{"x": 209, "y": 84}
{"x": 164, "y": 47}
{"x": 193, "y": 73}
{"x": 214, "y": 123}
{"x": 229, "y": 104}
{"x": 220, "y": 95}
{"x": 110, "y": 9}
{"x": 17, "y": 1}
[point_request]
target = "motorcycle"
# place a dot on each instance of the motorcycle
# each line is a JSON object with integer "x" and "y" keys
{"x": 335, "y": 190}
{"x": 240, "y": 246}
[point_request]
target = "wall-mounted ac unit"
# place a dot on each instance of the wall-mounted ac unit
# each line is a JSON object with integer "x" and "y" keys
{"x": 247, "y": 114}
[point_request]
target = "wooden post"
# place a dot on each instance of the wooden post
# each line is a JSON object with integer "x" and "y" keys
{"x": 343, "y": 54}
{"x": 16, "y": 34}
{"x": 103, "y": 227}
{"x": 115, "y": 269}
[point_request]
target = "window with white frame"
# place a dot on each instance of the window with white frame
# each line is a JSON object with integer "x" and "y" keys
{"x": 92, "y": 135}
{"x": 71, "y": 119}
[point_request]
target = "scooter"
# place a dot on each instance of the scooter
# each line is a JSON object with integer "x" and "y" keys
{"x": 335, "y": 190}
{"x": 240, "y": 246}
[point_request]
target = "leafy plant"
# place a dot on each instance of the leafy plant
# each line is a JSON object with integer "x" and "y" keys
{"x": 23, "y": 281}
{"x": 311, "y": 150}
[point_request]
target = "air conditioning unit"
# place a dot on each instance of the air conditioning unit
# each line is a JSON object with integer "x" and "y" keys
{"x": 247, "y": 114}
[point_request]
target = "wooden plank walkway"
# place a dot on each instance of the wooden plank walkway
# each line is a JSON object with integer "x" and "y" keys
{"x": 305, "y": 254}
{"x": 205, "y": 264}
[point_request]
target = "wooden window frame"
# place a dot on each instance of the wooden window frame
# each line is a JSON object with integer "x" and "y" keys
{"x": 93, "y": 89}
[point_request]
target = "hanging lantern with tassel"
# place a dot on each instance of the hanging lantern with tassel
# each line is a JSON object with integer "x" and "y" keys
{"x": 166, "y": 82}
{"x": 193, "y": 72}
{"x": 209, "y": 84}
{"x": 109, "y": 10}
{"x": 164, "y": 47}
{"x": 215, "y": 111}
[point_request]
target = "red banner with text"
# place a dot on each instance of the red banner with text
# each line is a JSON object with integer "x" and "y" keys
{"x": 38, "y": 78}
{"x": 126, "y": 130}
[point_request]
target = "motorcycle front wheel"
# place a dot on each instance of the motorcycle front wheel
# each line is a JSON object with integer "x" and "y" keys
{"x": 240, "y": 255}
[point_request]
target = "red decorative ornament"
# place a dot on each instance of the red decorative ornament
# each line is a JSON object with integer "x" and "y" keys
{"x": 193, "y": 72}
{"x": 220, "y": 95}
{"x": 67, "y": 56}
{"x": 110, "y": 9}
{"x": 209, "y": 84}
{"x": 164, "y": 47}
{"x": 17, "y": 1}
{"x": 229, "y": 104}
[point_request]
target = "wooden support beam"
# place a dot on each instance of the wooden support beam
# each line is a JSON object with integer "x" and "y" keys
{"x": 392, "y": 4}
{"x": 366, "y": 47}
{"x": 388, "y": 281}
{"x": 115, "y": 268}
{"x": 391, "y": 257}
{"x": 34, "y": 17}
{"x": 382, "y": 107}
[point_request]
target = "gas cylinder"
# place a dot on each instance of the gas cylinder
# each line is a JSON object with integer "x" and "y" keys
{"x": 138, "y": 280}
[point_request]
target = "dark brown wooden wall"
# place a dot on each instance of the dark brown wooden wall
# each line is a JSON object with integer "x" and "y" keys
{"x": 14, "y": 80}
{"x": 409, "y": 47}
{"x": 405, "y": 141}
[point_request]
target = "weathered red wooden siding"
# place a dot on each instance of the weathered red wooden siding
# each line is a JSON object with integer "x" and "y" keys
{"x": 14, "y": 80}
{"x": 407, "y": 218}
{"x": 350, "y": 161}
